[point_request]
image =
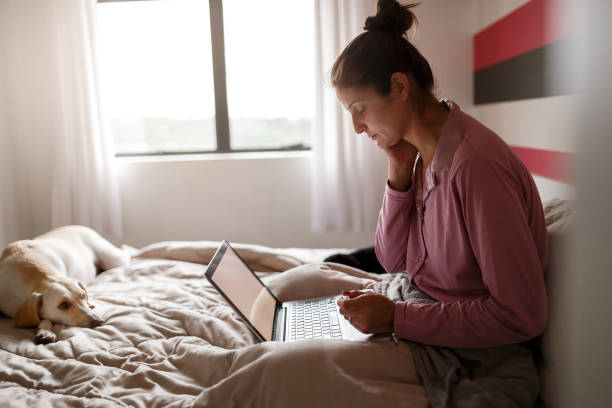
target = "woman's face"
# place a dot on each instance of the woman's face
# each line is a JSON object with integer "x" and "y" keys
{"x": 383, "y": 118}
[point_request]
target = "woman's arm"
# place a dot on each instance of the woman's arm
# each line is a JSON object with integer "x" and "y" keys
{"x": 401, "y": 158}
{"x": 393, "y": 229}
{"x": 510, "y": 256}
{"x": 398, "y": 202}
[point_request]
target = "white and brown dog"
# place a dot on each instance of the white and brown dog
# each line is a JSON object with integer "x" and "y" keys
{"x": 42, "y": 281}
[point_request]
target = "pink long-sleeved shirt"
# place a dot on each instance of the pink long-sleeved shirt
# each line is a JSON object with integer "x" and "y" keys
{"x": 473, "y": 238}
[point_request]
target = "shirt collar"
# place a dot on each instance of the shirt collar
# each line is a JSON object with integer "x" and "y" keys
{"x": 450, "y": 137}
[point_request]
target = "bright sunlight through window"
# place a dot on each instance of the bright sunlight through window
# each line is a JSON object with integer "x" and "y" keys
{"x": 156, "y": 70}
{"x": 269, "y": 49}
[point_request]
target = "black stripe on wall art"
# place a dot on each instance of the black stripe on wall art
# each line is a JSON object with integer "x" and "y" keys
{"x": 545, "y": 71}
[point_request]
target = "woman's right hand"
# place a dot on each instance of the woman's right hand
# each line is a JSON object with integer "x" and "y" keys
{"x": 401, "y": 158}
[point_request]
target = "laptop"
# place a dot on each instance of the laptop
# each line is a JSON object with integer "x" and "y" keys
{"x": 268, "y": 318}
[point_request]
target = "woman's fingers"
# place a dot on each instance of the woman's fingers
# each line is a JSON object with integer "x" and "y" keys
{"x": 352, "y": 293}
{"x": 369, "y": 312}
{"x": 401, "y": 153}
{"x": 352, "y": 306}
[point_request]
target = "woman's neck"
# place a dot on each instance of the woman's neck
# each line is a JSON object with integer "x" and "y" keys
{"x": 427, "y": 128}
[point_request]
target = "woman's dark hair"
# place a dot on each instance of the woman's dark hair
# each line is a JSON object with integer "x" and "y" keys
{"x": 372, "y": 57}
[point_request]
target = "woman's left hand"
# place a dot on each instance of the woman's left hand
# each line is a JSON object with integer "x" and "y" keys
{"x": 369, "y": 312}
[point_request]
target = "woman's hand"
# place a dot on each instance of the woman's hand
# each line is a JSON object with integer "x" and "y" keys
{"x": 369, "y": 312}
{"x": 401, "y": 158}
{"x": 401, "y": 153}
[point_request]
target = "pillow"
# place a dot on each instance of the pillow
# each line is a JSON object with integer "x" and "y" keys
{"x": 559, "y": 215}
{"x": 319, "y": 280}
{"x": 259, "y": 258}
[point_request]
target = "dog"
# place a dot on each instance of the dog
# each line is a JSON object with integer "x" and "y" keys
{"x": 42, "y": 281}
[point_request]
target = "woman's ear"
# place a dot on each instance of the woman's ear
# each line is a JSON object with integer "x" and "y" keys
{"x": 28, "y": 314}
{"x": 400, "y": 85}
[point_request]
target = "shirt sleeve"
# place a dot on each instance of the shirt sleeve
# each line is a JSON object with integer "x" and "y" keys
{"x": 393, "y": 228}
{"x": 515, "y": 310}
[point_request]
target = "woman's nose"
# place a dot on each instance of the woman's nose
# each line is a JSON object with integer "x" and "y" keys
{"x": 358, "y": 126}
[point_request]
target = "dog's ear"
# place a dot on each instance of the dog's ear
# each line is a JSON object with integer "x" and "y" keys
{"x": 28, "y": 313}
{"x": 82, "y": 286}
{"x": 86, "y": 295}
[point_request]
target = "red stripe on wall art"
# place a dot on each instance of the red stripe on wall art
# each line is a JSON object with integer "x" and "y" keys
{"x": 547, "y": 163}
{"x": 531, "y": 26}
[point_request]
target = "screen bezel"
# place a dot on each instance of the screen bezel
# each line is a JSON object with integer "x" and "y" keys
{"x": 210, "y": 272}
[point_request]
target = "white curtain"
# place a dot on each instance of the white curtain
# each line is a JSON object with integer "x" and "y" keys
{"x": 55, "y": 139}
{"x": 348, "y": 171}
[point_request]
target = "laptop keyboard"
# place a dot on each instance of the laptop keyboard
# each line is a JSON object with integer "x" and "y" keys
{"x": 314, "y": 319}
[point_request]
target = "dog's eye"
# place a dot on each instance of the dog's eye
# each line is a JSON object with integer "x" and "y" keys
{"x": 83, "y": 296}
{"x": 64, "y": 305}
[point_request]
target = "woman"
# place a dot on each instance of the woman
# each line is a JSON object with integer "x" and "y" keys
{"x": 461, "y": 215}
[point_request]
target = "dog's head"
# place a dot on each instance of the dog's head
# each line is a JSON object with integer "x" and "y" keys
{"x": 64, "y": 302}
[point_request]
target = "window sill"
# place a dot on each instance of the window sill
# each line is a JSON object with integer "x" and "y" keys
{"x": 215, "y": 156}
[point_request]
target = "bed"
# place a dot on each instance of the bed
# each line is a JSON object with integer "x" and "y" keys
{"x": 170, "y": 340}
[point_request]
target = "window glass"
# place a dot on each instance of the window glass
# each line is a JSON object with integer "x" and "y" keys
{"x": 156, "y": 75}
{"x": 269, "y": 53}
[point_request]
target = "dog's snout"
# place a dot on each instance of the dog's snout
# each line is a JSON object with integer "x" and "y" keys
{"x": 96, "y": 322}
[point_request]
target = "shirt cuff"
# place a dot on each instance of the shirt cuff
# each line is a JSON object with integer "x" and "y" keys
{"x": 399, "y": 195}
{"x": 406, "y": 321}
{"x": 399, "y": 318}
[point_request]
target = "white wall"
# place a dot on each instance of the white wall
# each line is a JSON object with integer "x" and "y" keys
{"x": 444, "y": 39}
{"x": 485, "y": 12}
{"x": 265, "y": 199}
{"x": 261, "y": 198}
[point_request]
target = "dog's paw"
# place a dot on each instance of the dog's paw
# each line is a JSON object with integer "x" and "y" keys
{"x": 45, "y": 337}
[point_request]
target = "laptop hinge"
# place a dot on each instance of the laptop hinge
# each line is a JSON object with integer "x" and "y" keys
{"x": 278, "y": 330}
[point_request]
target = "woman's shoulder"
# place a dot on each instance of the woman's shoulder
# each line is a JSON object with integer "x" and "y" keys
{"x": 480, "y": 144}
{"x": 481, "y": 150}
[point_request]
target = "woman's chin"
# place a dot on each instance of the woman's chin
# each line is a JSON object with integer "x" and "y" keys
{"x": 381, "y": 144}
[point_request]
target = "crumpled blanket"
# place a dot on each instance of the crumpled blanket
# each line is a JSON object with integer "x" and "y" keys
{"x": 170, "y": 340}
{"x": 500, "y": 377}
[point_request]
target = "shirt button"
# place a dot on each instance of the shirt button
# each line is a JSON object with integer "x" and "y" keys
{"x": 418, "y": 259}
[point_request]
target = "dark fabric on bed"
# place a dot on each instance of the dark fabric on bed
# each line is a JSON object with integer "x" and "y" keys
{"x": 497, "y": 377}
{"x": 364, "y": 259}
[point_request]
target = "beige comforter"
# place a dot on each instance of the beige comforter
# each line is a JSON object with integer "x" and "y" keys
{"x": 170, "y": 340}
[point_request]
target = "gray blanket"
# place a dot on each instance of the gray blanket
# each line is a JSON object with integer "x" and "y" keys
{"x": 497, "y": 377}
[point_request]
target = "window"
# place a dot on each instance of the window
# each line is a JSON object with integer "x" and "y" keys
{"x": 192, "y": 76}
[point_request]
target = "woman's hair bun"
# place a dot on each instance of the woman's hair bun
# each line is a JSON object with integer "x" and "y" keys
{"x": 391, "y": 17}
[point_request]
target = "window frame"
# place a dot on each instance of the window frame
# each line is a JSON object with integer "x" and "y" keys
{"x": 222, "y": 132}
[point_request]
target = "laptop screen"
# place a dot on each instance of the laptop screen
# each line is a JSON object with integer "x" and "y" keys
{"x": 244, "y": 289}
